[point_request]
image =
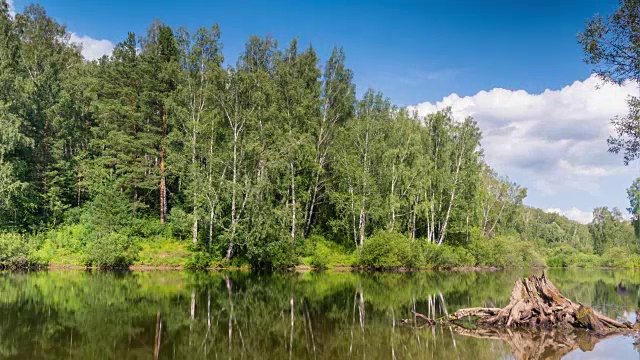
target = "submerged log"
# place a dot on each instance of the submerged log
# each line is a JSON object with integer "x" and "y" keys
{"x": 535, "y": 301}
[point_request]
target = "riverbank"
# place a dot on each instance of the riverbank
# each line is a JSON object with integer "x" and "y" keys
{"x": 77, "y": 247}
{"x": 335, "y": 269}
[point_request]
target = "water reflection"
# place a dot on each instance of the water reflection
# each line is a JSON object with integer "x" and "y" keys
{"x": 537, "y": 343}
{"x": 243, "y": 315}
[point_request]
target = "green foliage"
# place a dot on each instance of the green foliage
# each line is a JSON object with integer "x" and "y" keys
{"x": 111, "y": 250}
{"x": 164, "y": 153}
{"x": 328, "y": 254}
{"x": 610, "y": 44}
{"x": 15, "y": 252}
{"x": 505, "y": 251}
{"x": 560, "y": 256}
{"x": 447, "y": 256}
{"x": 170, "y": 252}
{"x": 617, "y": 257}
{"x": 385, "y": 250}
{"x": 64, "y": 246}
{"x": 198, "y": 260}
{"x": 582, "y": 260}
{"x": 608, "y": 229}
{"x": 500, "y": 200}
{"x": 271, "y": 253}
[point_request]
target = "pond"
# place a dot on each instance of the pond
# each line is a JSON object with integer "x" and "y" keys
{"x": 71, "y": 314}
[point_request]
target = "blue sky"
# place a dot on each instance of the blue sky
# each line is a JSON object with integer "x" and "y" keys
{"x": 423, "y": 52}
{"x": 411, "y": 50}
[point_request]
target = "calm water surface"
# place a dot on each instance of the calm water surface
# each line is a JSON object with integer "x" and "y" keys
{"x": 244, "y": 315}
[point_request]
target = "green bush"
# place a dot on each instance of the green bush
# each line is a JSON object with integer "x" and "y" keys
{"x": 386, "y": 250}
{"x": 64, "y": 245}
{"x": 15, "y": 252}
{"x": 270, "y": 253}
{"x": 321, "y": 256}
{"x": 417, "y": 255}
{"x": 560, "y": 256}
{"x": 524, "y": 254}
{"x": 447, "y": 256}
{"x": 617, "y": 257}
{"x": 111, "y": 250}
{"x": 582, "y": 260}
{"x": 489, "y": 252}
{"x": 505, "y": 251}
{"x": 557, "y": 261}
{"x": 327, "y": 254}
{"x": 198, "y": 260}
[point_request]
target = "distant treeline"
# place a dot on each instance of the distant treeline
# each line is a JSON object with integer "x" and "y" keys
{"x": 258, "y": 163}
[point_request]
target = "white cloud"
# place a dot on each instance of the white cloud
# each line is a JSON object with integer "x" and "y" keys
{"x": 573, "y": 214}
{"x": 554, "y": 141}
{"x": 12, "y": 9}
{"x": 92, "y": 49}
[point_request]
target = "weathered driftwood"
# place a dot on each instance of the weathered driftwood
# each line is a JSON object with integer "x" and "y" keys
{"x": 535, "y": 301}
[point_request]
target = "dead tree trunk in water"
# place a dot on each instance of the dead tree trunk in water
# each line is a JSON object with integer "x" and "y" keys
{"x": 158, "y": 337}
{"x": 535, "y": 301}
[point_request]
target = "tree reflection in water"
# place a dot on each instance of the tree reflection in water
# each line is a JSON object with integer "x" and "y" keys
{"x": 244, "y": 315}
{"x": 538, "y": 343}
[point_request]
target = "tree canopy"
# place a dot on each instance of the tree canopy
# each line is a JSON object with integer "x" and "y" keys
{"x": 248, "y": 161}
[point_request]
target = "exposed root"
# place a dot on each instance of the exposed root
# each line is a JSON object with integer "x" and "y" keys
{"x": 535, "y": 301}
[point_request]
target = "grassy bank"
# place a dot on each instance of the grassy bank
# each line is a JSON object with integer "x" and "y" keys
{"x": 157, "y": 247}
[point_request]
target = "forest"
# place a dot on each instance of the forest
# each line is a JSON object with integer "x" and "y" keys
{"x": 167, "y": 153}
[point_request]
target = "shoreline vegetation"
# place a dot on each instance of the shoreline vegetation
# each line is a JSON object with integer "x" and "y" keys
{"x": 304, "y": 268}
{"x": 167, "y": 154}
{"x": 17, "y": 253}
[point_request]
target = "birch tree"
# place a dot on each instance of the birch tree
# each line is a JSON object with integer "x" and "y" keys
{"x": 196, "y": 111}
{"x": 337, "y": 99}
{"x": 500, "y": 201}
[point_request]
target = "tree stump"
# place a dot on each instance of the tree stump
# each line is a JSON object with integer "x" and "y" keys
{"x": 535, "y": 301}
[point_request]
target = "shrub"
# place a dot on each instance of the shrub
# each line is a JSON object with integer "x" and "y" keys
{"x": 386, "y": 249}
{"x": 504, "y": 251}
{"x": 585, "y": 260}
{"x": 488, "y": 252}
{"x": 617, "y": 257}
{"x": 15, "y": 251}
{"x": 111, "y": 250}
{"x": 64, "y": 245}
{"x": 305, "y": 247}
{"x": 446, "y": 255}
{"x": 198, "y": 260}
{"x": 557, "y": 261}
{"x": 456, "y": 256}
{"x": 180, "y": 223}
{"x": 560, "y": 256}
{"x": 322, "y": 255}
{"x": 270, "y": 253}
{"x": 326, "y": 254}
{"x": 519, "y": 253}
{"x": 417, "y": 255}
